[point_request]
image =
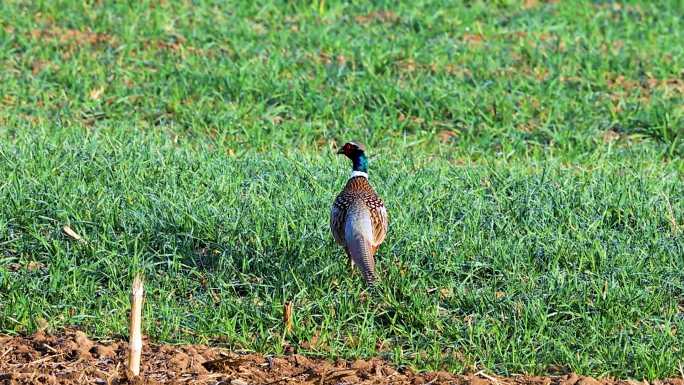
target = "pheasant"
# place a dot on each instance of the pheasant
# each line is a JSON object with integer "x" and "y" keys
{"x": 358, "y": 218}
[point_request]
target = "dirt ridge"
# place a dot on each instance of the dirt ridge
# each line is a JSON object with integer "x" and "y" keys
{"x": 72, "y": 358}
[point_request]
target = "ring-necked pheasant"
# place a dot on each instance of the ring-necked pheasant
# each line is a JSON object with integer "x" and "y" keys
{"x": 358, "y": 218}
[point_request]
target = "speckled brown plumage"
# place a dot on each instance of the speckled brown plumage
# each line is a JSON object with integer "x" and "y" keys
{"x": 359, "y": 223}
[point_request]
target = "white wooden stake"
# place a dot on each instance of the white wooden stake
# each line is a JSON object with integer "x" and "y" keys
{"x": 135, "y": 333}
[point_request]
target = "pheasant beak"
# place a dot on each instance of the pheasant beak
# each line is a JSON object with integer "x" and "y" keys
{"x": 341, "y": 150}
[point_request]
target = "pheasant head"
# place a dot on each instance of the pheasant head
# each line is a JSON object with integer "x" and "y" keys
{"x": 356, "y": 152}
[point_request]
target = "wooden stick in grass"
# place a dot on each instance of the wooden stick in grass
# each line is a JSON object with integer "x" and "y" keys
{"x": 135, "y": 333}
{"x": 287, "y": 317}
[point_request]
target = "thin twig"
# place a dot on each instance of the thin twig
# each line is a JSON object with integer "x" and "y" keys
{"x": 485, "y": 375}
{"x": 6, "y": 352}
{"x": 72, "y": 234}
{"x": 51, "y": 348}
{"x": 38, "y": 361}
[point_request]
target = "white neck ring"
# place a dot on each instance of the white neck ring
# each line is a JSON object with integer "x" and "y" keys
{"x": 359, "y": 173}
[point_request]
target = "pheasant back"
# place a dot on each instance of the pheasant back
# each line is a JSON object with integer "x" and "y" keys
{"x": 359, "y": 222}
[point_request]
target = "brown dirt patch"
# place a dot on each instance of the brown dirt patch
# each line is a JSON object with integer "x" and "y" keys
{"x": 73, "y": 358}
{"x": 532, "y": 39}
{"x": 385, "y": 17}
{"x": 68, "y": 36}
{"x": 529, "y": 4}
{"x": 179, "y": 44}
{"x": 621, "y": 88}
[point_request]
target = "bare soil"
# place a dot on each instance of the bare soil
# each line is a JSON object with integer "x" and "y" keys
{"x": 72, "y": 358}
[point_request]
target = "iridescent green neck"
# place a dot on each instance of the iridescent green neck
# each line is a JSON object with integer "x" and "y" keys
{"x": 360, "y": 162}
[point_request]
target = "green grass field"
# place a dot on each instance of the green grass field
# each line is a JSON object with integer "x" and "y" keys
{"x": 529, "y": 154}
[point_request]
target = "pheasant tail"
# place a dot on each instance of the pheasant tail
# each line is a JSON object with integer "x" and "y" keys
{"x": 358, "y": 234}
